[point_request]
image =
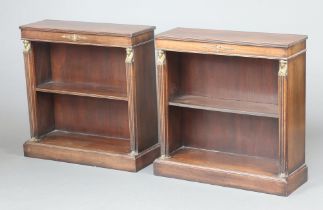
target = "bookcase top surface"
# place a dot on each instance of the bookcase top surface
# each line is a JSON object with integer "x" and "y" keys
{"x": 232, "y": 37}
{"x": 88, "y": 28}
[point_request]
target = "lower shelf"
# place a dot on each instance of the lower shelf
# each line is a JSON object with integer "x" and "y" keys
{"x": 225, "y": 161}
{"x": 240, "y": 171}
{"x": 90, "y": 150}
{"x": 86, "y": 142}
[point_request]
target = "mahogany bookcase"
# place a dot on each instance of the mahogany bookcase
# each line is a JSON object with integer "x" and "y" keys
{"x": 91, "y": 93}
{"x": 232, "y": 108}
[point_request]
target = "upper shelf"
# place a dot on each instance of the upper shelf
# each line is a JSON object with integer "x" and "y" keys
{"x": 236, "y": 43}
{"x": 105, "y": 34}
{"x": 82, "y": 90}
{"x": 225, "y": 105}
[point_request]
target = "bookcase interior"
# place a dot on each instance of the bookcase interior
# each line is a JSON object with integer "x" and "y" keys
{"x": 214, "y": 103}
{"x": 215, "y": 82}
{"x": 81, "y": 96}
{"x": 232, "y": 108}
{"x": 81, "y": 70}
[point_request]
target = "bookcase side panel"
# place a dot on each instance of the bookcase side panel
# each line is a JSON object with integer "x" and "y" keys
{"x": 42, "y": 63}
{"x": 146, "y": 99}
{"x": 45, "y": 113}
{"x": 131, "y": 95}
{"x": 40, "y": 113}
{"x": 162, "y": 98}
{"x": 30, "y": 84}
{"x": 295, "y": 112}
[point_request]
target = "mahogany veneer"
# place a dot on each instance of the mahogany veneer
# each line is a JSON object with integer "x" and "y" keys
{"x": 91, "y": 93}
{"x": 232, "y": 108}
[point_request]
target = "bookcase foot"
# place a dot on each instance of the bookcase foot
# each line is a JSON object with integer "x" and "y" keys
{"x": 105, "y": 159}
{"x": 247, "y": 181}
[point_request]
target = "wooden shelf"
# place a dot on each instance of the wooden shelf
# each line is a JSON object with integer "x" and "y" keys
{"x": 82, "y": 101}
{"x": 232, "y": 108}
{"x": 82, "y": 90}
{"x": 86, "y": 142}
{"x": 225, "y": 105}
{"x": 231, "y": 170}
{"x": 73, "y": 147}
{"x": 234, "y": 163}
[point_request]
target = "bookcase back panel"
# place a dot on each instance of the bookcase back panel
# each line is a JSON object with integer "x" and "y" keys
{"x": 233, "y": 133}
{"x": 88, "y": 64}
{"x": 91, "y": 115}
{"x": 224, "y": 77}
{"x": 80, "y": 64}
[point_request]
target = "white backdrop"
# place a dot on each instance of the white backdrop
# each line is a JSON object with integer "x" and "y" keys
{"x": 32, "y": 184}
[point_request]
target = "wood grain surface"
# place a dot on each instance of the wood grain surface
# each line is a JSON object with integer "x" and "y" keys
{"x": 230, "y": 112}
{"x": 81, "y": 107}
